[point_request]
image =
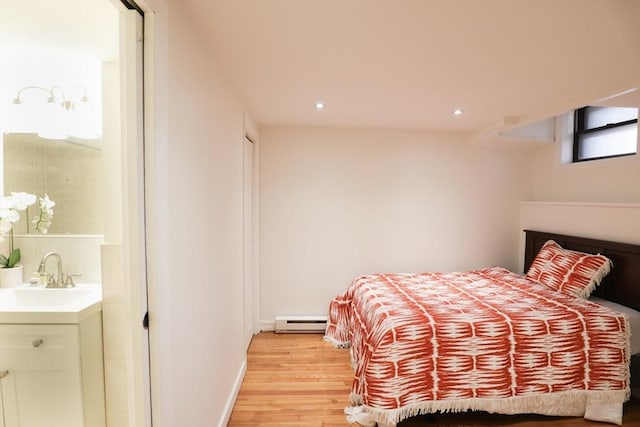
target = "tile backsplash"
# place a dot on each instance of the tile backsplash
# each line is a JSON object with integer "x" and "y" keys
{"x": 80, "y": 254}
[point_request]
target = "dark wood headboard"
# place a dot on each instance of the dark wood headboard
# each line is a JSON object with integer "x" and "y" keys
{"x": 621, "y": 285}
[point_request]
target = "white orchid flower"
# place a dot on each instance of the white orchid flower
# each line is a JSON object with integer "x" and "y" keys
{"x": 6, "y": 203}
{"x": 43, "y": 221}
{"x": 12, "y": 215}
{"x": 9, "y": 207}
{"x": 23, "y": 200}
{"x": 46, "y": 204}
{"x": 5, "y": 226}
{"x": 5, "y": 212}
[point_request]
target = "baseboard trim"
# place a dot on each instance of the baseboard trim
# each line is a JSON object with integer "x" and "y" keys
{"x": 267, "y": 325}
{"x": 228, "y": 408}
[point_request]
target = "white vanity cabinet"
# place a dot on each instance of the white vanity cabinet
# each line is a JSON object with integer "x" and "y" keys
{"x": 52, "y": 374}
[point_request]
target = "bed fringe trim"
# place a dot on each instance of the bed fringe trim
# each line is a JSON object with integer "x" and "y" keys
{"x": 559, "y": 403}
{"x": 336, "y": 343}
{"x": 596, "y": 279}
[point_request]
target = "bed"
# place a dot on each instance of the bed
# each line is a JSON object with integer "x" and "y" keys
{"x": 493, "y": 340}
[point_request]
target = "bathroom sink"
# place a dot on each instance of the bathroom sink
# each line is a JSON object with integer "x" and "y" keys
{"x": 44, "y": 297}
{"x": 27, "y": 304}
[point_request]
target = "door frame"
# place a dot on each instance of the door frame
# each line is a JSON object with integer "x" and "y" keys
{"x": 252, "y": 249}
{"x": 134, "y": 218}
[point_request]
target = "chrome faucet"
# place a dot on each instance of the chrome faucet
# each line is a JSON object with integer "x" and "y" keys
{"x": 62, "y": 280}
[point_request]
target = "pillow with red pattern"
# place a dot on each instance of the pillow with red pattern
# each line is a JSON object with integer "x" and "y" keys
{"x": 570, "y": 272}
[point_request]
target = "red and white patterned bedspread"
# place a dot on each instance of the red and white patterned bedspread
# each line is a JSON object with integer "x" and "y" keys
{"x": 487, "y": 339}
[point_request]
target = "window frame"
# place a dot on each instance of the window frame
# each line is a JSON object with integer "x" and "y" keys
{"x": 580, "y": 130}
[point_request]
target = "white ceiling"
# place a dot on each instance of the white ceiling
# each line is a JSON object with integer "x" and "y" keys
{"x": 85, "y": 27}
{"x": 409, "y": 63}
{"x": 388, "y": 63}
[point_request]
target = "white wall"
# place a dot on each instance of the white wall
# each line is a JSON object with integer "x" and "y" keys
{"x": 608, "y": 221}
{"x": 611, "y": 180}
{"x": 195, "y": 240}
{"x": 337, "y": 203}
{"x": 597, "y": 199}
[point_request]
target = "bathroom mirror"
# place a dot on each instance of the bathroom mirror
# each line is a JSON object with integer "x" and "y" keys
{"x": 70, "y": 172}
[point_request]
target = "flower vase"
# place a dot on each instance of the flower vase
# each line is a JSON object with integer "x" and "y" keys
{"x": 11, "y": 277}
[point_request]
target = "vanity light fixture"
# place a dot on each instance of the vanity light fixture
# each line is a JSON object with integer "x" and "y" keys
{"x": 18, "y": 100}
{"x": 57, "y": 112}
{"x": 56, "y": 94}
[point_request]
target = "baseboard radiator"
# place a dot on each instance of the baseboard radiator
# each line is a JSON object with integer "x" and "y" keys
{"x": 301, "y": 324}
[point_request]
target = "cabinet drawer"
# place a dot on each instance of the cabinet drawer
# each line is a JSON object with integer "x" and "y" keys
{"x": 38, "y": 341}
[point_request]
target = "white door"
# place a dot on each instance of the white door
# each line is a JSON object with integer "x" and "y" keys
{"x": 247, "y": 245}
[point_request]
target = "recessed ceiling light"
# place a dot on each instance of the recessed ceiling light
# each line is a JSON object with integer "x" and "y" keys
{"x": 457, "y": 112}
{"x": 319, "y": 105}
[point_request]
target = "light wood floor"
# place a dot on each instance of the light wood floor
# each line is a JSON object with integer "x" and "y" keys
{"x": 296, "y": 380}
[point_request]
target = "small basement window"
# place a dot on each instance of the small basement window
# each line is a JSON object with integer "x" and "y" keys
{"x": 604, "y": 132}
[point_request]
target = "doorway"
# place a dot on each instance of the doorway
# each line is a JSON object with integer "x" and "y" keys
{"x": 113, "y": 252}
{"x": 248, "y": 238}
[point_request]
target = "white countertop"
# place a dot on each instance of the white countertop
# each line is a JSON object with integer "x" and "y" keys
{"x": 36, "y": 304}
